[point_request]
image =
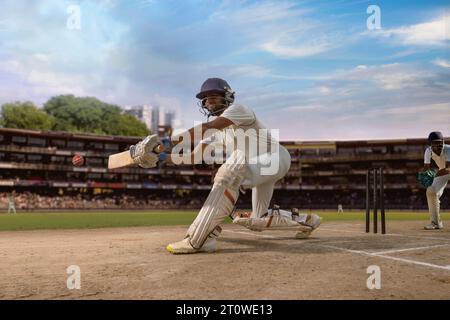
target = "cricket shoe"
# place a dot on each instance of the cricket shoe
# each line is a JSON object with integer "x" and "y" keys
{"x": 185, "y": 247}
{"x": 434, "y": 226}
{"x": 312, "y": 223}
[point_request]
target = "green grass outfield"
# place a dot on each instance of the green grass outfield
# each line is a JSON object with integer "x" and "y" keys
{"x": 105, "y": 219}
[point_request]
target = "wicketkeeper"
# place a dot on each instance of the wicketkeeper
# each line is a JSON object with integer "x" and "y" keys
{"x": 434, "y": 180}
{"x": 242, "y": 168}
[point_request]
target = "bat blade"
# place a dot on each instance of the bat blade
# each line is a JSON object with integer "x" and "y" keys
{"x": 123, "y": 159}
{"x": 119, "y": 160}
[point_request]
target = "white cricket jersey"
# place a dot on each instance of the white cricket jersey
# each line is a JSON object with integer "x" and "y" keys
{"x": 244, "y": 123}
{"x": 441, "y": 160}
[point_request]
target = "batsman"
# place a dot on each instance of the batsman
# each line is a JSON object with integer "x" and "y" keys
{"x": 434, "y": 180}
{"x": 242, "y": 169}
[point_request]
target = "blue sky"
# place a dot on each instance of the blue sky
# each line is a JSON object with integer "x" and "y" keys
{"x": 309, "y": 68}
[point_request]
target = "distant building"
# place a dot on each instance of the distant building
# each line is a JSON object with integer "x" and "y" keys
{"x": 169, "y": 118}
{"x": 155, "y": 119}
{"x": 150, "y": 115}
{"x": 141, "y": 112}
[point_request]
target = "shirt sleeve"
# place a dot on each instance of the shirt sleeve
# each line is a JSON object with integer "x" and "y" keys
{"x": 239, "y": 115}
{"x": 447, "y": 153}
{"x": 427, "y": 156}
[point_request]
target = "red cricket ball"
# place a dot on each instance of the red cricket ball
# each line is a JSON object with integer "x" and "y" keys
{"x": 77, "y": 160}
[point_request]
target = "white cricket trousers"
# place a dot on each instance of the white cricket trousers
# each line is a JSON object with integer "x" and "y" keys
{"x": 262, "y": 173}
{"x": 434, "y": 193}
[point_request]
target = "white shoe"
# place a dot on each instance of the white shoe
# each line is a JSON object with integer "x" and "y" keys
{"x": 185, "y": 247}
{"x": 433, "y": 226}
{"x": 313, "y": 222}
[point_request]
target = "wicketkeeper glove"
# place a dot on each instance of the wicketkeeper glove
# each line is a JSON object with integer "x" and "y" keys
{"x": 426, "y": 178}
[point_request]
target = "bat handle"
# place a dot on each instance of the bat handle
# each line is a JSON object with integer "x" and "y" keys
{"x": 159, "y": 148}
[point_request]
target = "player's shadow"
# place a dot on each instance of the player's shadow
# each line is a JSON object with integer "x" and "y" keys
{"x": 275, "y": 244}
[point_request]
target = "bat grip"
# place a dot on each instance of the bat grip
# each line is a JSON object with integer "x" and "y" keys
{"x": 159, "y": 148}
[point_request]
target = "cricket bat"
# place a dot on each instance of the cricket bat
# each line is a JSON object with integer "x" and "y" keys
{"x": 123, "y": 159}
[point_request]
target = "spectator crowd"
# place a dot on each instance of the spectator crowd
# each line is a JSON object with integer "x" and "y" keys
{"x": 32, "y": 201}
{"x": 28, "y": 201}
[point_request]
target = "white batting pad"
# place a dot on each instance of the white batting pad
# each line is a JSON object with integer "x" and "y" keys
{"x": 220, "y": 201}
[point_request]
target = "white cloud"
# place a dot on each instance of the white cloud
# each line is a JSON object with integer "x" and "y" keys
{"x": 392, "y": 76}
{"x": 281, "y": 28}
{"x": 295, "y": 51}
{"x": 442, "y": 63}
{"x": 245, "y": 14}
{"x": 364, "y": 102}
{"x": 432, "y": 33}
{"x": 137, "y": 60}
{"x": 313, "y": 107}
{"x": 325, "y": 90}
{"x": 107, "y": 4}
{"x": 239, "y": 70}
{"x": 397, "y": 79}
{"x": 404, "y": 53}
{"x": 39, "y": 79}
{"x": 146, "y": 3}
{"x": 440, "y": 109}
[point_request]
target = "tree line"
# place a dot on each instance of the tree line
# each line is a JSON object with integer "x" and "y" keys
{"x": 72, "y": 114}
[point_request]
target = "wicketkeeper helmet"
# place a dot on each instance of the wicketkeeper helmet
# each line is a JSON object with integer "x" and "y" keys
{"x": 435, "y": 135}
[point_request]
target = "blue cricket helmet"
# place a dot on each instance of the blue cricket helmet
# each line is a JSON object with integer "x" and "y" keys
{"x": 435, "y": 135}
{"x": 216, "y": 85}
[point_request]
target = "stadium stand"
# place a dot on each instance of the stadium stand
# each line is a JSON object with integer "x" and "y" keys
{"x": 36, "y": 166}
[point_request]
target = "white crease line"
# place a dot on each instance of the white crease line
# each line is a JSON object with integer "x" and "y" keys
{"x": 417, "y": 237}
{"x": 387, "y": 234}
{"x": 359, "y": 252}
{"x": 389, "y": 257}
{"x": 411, "y": 249}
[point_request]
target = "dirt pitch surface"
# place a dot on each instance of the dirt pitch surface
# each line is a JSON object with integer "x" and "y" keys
{"x": 132, "y": 263}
